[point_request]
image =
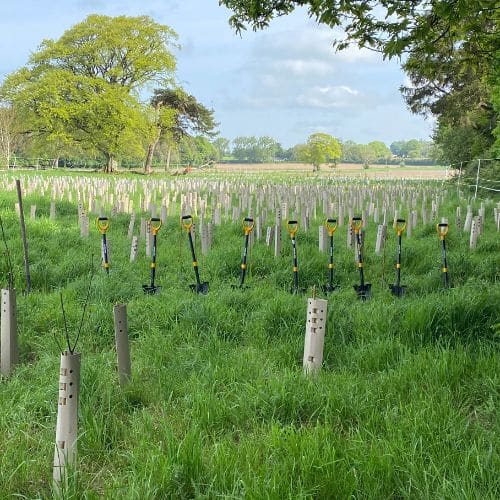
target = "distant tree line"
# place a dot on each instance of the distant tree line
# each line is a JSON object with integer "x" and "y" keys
{"x": 323, "y": 148}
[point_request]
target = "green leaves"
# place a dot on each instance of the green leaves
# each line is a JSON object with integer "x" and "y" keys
{"x": 128, "y": 51}
{"x": 81, "y": 91}
{"x": 319, "y": 149}
{"x": 182, "y": 113}
{"x": 255, "y": 149}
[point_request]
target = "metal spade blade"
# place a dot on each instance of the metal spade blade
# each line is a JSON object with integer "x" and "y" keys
{"x": 363, "y": 291}
{"x": 200, "y": 287}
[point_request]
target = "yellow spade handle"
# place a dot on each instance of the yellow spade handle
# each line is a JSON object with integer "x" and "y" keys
{"x": 400, "y": 226}
{"x": 356, "y": 224}
{"x": 155, "y": 228}
{"x": 248, "y": 228}
{"x": 331, "y": 227}
{"x": 442, "y": 230}
{"x": 292, "y": 231}
{"x": 187, "y": 225}
{"x": 102, "y": 224}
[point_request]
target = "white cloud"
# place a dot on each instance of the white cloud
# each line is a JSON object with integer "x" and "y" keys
{"x": 328, "y": 97}
{"x": 349, "y": 90}
{"x": 304, "y": 67}
{"x": 353, "y": 54}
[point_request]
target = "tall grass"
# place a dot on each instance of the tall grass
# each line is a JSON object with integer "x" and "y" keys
{"x": 406, "y": 405}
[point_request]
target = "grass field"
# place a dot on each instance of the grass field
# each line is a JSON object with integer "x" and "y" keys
{"x": 406, "y": 405}
{"x": 343, "y": 170}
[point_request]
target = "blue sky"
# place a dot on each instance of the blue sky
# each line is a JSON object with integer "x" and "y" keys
{"x": 285, "y": 82}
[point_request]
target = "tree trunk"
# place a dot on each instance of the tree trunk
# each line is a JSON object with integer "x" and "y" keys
{"x": 169, "y": 152}
{"x": 151, "y": 151}
{"x": 7, "y": 154}
{"x": 110, "y": 165}
{"x": 55, "y": 162}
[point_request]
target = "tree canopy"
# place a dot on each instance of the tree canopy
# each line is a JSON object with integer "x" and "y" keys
{"x": 320, "y": 148}
{"x": 390, "y": 26}
{"x": 177, "y": 114}
{"x": 190, "y": 116}
{"x": 84, "y": 88}
{"x": 255, "y": 149}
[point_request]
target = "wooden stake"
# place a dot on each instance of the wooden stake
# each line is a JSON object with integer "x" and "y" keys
{"x": 122, "y": 344}
{"x": 23, "y": 235}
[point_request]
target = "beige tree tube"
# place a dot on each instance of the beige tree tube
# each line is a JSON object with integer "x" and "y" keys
{"x": 9, "y": 354}
{"x": 315, "y": 334}
{"x": 67, "y": 417}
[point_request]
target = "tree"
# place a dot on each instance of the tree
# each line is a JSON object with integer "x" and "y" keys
{"x": 177, "y": 114}
{"x": 83, "y": 88}
{"x": 367, "y": 155}
{"x": 457, "y": 88}
{"x": 397, "y": 148}
{"x": 319, "y": 149}
{"x": 255, "y": 149}
{"x": 285, "y": 154}
{"x": 197, "y": 151}
{"x": 10, "y": 134}
{"x": 222, "y": 146}
{"x": 380, "y": 151}
{"x": 266, "y": 149}
{"x": 244, "y": 148}
{"x": 351, "y": 152}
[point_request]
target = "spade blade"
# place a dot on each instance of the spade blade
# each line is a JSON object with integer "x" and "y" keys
{"x": 328, "y": 288}
{"x": 363, "y": 291}
{"x": 240, "y": 287}
{"x": 151, "y": 290}
{"x": 200, "y": 287}
{"x": 397, "y": 291}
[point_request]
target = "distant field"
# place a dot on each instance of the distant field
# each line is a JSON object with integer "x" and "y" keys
{"x": 380, "y": 171}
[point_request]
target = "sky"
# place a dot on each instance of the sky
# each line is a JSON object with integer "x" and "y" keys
{"x": 286, "y": 82}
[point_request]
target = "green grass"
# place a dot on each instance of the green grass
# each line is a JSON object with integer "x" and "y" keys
{"x": 406, "y": 405}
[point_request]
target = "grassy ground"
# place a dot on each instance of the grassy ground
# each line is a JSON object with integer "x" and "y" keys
{"x": 343, "y": 169}
{"x": 406, "y": 406}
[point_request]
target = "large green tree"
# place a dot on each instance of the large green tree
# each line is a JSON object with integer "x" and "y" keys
{"x": 223, "y": 147}
{"x": 84, "y": 87}
{"x": 320, "y": 148}
{"x": 454, "y": 83}
{"x": 380, "y": 151}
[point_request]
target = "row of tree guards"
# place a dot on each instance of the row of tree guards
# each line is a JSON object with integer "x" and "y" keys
{"x": 363, "y": 290}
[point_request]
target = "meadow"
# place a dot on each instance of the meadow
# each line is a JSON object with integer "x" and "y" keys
{"x": 406, "y": 404}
